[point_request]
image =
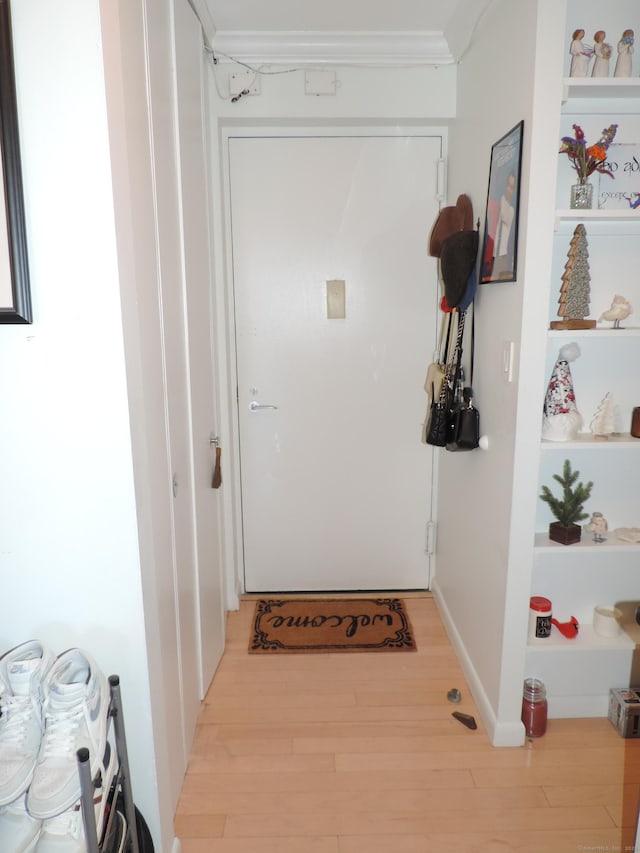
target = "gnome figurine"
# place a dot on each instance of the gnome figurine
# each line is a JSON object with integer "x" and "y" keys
{"x": 562, "y": 420}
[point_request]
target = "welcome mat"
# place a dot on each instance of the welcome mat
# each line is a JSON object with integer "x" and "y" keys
{"x": 300, "y": 625}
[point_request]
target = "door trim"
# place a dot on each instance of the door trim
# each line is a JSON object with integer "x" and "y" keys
{"x": 226, "y": 355}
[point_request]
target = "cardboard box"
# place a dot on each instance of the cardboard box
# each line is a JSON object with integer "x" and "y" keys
{"x": 624, "y": 710}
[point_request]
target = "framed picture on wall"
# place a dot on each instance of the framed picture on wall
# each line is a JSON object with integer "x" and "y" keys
{"x": 500, "y": 243}
{"x": 15, "y": 292}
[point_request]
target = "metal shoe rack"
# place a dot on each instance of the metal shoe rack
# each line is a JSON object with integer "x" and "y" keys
{"x": 121, "y": 785}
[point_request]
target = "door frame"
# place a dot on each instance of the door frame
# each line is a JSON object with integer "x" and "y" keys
{"x": 226, "y": 365}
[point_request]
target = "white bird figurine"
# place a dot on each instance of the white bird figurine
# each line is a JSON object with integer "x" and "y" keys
{"x": 619, "y": 310}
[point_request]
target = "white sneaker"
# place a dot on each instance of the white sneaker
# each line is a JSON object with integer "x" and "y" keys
{"x": 76, "y": 705}
{"x": 19, "y": 831}
{"x": 21, "y": 673}
{"x": 65, "y": 832}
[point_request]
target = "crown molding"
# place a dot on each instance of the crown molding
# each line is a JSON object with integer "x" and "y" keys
{"x": 333, "y": 48}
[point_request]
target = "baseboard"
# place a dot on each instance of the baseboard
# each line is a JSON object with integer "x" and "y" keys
{"x": 176, "y": 847}
{"x": 500, "y": 734}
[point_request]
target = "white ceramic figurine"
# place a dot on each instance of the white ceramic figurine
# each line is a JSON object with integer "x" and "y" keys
{"x": 619, "y": 310}
{"x": 598, "y": 526}
{"x": 603, "y": 52}
{"x": 625, "y": 50}
{"x": 561, "y": 419}
{"x": 580, "y": 55}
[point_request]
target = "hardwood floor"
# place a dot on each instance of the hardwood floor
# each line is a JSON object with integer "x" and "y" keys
{"x": 359, "y": 753}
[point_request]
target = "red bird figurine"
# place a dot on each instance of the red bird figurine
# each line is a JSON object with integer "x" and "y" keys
{"x": 567, "y": 629}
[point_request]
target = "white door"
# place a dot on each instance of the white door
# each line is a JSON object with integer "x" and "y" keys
{"x": 336, "y": 483}
{"x": 198, "y": 290}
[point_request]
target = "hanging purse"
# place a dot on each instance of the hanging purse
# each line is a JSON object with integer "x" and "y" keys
{"x": 439, "y": 418}
{"x": 439, "y": 425}
{"x": 465, "y": 428}
{"x": 437, "y": 370}
{"x": 464, "y": 432}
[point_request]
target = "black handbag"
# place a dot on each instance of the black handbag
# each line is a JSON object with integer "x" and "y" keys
{"x": 464, "y": 426}
{"x": 439, "y": 419}
{"x": 438, "y": 431}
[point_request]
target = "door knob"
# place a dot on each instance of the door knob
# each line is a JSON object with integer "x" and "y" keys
{"x": 254, "y": 406}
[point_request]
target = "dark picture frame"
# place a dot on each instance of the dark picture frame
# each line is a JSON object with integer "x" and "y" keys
{"x": 499, "y": 258}
{"x": 15, "y": 289}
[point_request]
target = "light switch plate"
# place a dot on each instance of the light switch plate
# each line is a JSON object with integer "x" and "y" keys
{"x": 507, "y": 361}
{"x": 336, "y": 299}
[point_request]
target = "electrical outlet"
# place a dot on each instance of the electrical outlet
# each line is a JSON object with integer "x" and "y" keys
{"x": 244, "y": 81}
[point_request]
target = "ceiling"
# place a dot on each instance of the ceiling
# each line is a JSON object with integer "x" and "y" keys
{"x": 421, "y": 31}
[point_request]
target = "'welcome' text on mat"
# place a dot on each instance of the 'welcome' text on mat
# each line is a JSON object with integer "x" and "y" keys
{"x": 300, "y": 625}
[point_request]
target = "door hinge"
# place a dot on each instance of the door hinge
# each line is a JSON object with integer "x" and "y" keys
{"x": 441, "y": 180}
{"x": 430, "y": 544}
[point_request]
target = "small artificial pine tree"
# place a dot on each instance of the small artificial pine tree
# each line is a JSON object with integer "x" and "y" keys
{"x": 573, "y": 303}
{"x": 568, "y": 510}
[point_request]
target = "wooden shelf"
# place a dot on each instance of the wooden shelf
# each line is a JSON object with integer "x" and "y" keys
{"x": 599, "y": 222}
{"x": 586, "y": 640}
{"x": 598, "y": 332}
{"x": 600, "y": 87}
{"x": 597, "y": 214}
{"x": 544, "y": 545}
{"x": 585, "y": 441}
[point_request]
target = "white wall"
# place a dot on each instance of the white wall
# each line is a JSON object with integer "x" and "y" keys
{"x": 511, "y": 72}
{"x": 69, "y": 562}
{"x": 87, "y": 555}
{"x": 362, "y": 93}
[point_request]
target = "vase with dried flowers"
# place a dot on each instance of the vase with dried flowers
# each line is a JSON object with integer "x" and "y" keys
{"x": 587, "y": 159}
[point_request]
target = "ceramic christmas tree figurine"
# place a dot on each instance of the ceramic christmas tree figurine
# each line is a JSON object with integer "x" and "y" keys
{"x": 562, "y": 420}
{"x": 573, "y": 304}
{"x": 603, "y": 422}
{"x": 625, "y": 51}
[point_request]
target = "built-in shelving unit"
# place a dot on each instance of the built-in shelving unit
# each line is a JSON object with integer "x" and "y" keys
{"x": 579, "y": 672}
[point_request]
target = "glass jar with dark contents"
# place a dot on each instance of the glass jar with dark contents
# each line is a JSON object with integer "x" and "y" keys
{"x": 534, "y": 707}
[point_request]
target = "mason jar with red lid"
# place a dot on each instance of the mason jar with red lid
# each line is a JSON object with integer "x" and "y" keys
{"x": 539, "y": 617}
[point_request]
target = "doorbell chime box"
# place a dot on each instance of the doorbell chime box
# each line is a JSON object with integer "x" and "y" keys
{"x": 624, "y": 710}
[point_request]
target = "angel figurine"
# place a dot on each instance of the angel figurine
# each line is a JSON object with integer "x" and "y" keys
{"x": 602, "y": 52}
{"x": 625, "y": 50}
{"x": 580, "y": 55}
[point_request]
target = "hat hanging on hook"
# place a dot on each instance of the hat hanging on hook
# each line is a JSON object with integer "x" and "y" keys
{"x": 458, "y": 217}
